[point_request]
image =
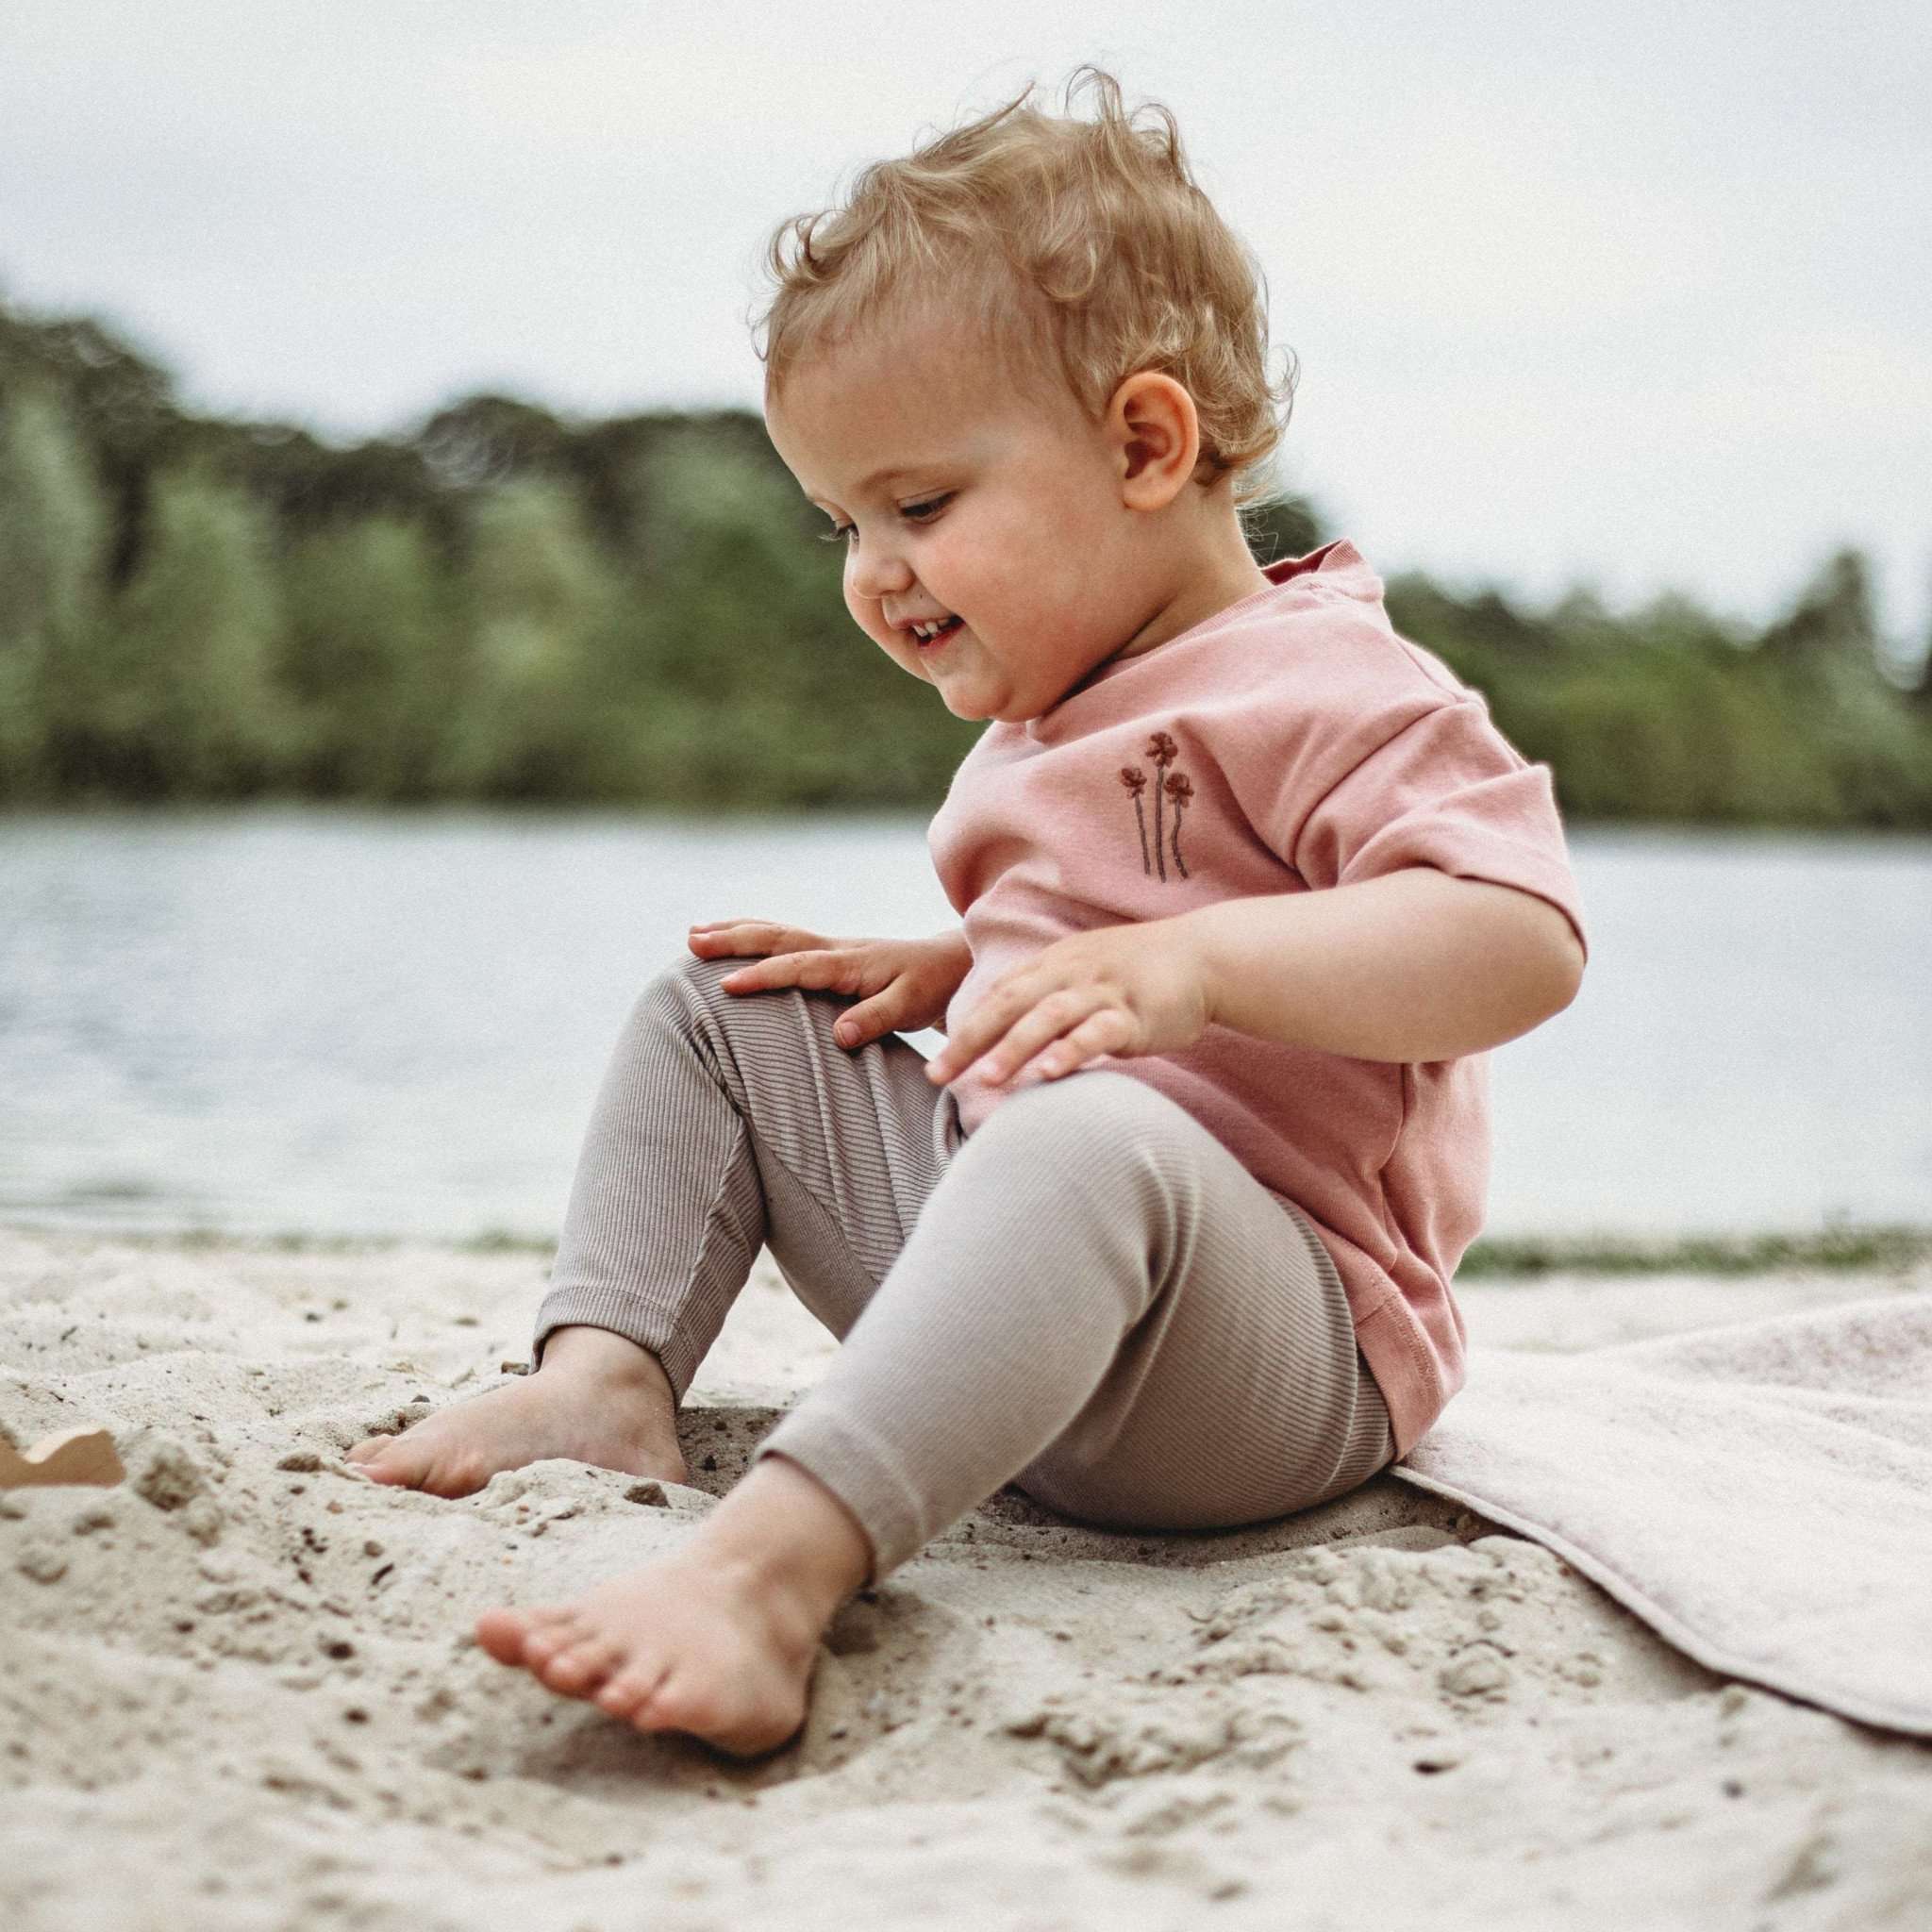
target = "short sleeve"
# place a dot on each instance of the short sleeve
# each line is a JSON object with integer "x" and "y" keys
{"x": 1448, "y": 791}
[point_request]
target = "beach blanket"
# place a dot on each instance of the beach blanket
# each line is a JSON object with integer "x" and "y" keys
{"x": 1760, "y": 1494}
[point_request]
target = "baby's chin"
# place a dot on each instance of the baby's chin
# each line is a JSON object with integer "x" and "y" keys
{"x": 964, "y": 697}
{"x": 959, "y": 698}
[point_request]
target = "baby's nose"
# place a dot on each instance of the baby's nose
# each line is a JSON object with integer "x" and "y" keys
{"x": 880, "y": 574}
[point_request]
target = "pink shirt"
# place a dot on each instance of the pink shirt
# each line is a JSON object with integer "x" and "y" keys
{"x": 1291, "y": 742}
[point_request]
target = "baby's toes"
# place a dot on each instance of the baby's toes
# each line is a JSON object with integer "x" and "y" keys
{"x": 506, "y": 1634}
{"x": 390, "y": 1459}
{"x": 631, "y": 1689}
{"x": 577, "y": 1671}
{"x": 432, "y": 1463}
{"x": 552, "y": 1632}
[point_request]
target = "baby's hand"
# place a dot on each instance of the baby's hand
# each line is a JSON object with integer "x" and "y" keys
{"x": 900, "y": 985}
{"x": 1118, "y": 990}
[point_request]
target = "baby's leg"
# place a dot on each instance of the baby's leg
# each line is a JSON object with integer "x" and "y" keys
{"x": 724, "y": 1122}
{"x": 1101, "y": 1302}
{"x": 1097, "y": 1299}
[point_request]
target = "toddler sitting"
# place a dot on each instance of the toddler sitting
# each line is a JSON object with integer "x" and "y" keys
{"x": 1246, "y": 884}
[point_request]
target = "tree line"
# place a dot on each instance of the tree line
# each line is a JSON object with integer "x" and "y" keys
{"x": 503, "y": 606}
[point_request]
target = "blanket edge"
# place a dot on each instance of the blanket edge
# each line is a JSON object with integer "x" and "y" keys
{"x": 1913, "y": 1721}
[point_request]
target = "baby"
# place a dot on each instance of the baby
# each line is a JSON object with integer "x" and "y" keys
{"x": 1247, "y": 885}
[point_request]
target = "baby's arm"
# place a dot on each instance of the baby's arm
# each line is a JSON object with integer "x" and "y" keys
{"x": 1415, "y": 965}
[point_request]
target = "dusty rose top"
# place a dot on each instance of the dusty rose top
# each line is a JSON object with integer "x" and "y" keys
{"x": 1291, "y": 742}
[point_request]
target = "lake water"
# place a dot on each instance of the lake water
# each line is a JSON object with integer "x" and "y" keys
{"x": 368, "y": 1024}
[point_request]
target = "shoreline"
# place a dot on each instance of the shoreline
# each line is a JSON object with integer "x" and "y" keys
{"x": 1863, "y": 1247}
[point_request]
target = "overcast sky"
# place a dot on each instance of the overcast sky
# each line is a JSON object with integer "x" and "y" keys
{"x": 1628, "y": 292}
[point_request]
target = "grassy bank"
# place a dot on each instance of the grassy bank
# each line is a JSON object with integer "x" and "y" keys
{"x": 1891, "y": 1249}
{"x": 1888, "y": 1249}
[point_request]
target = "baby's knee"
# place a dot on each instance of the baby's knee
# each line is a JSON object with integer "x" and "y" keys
{"x": 684, "y": 997}
{"x": 686, "y": 984}
{"x": 689, "y": 997}
{"x": 1104, "y": 1115}
{"x": 1102, "y": 1131}
{"x": 690, "y": 975}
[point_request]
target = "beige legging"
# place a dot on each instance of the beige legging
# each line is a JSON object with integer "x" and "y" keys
{"x": 1089, "y": 1296}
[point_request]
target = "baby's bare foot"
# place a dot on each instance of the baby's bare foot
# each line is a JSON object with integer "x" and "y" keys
{"x": 597, "y": 1399}
{"x": 717, "y": 1639}
{"x": 675, "y": 1647}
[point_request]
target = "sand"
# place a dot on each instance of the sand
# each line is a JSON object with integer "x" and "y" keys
{"x": 239, "y": 1689}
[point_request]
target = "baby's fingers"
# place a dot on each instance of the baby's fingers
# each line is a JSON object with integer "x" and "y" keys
{"x": 821, "y": 971}
{"x": 726, "y": 939}
{"x": 868, "y": 1020}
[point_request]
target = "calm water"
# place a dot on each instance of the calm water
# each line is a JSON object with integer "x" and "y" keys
{"x": 365, "y": 1023}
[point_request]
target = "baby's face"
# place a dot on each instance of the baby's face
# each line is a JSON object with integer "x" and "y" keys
{"x": 966, "y": 502}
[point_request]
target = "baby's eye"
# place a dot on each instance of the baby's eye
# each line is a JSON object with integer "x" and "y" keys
{"x": 925, "y": 511}
{"x": 838, "y": 533}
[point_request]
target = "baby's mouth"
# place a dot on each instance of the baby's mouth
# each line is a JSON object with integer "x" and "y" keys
{"x": 927, "y": 634}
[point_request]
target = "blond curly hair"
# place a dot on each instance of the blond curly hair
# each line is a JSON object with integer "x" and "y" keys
{"x": 1082, "y": 242}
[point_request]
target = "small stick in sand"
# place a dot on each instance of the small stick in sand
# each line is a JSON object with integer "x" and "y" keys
{"x": 73, "y": 1456}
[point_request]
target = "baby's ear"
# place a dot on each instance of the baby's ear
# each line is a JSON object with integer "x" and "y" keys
{"x": 1154, "y": 430}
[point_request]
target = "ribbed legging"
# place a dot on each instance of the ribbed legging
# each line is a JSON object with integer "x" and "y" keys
{"x": 1089, "y": 1296}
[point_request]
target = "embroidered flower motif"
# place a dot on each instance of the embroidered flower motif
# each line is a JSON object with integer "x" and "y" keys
{"x": 1135, "y": 779}
{"x": 1164, "y": 751}
{"x": 1169, "y": 788}
{"x": 1179, "y": 790}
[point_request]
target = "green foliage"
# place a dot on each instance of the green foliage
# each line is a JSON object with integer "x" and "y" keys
{"x": 191, "y": 708}
{"x": 52, "y": 526}
{"x": 1670, "y": 715}
{"x": 1892, "y": 1249}
{"x": 530, "y": 716}
{"x": 504, "y": 605}
{"x": 370, "y": 660}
